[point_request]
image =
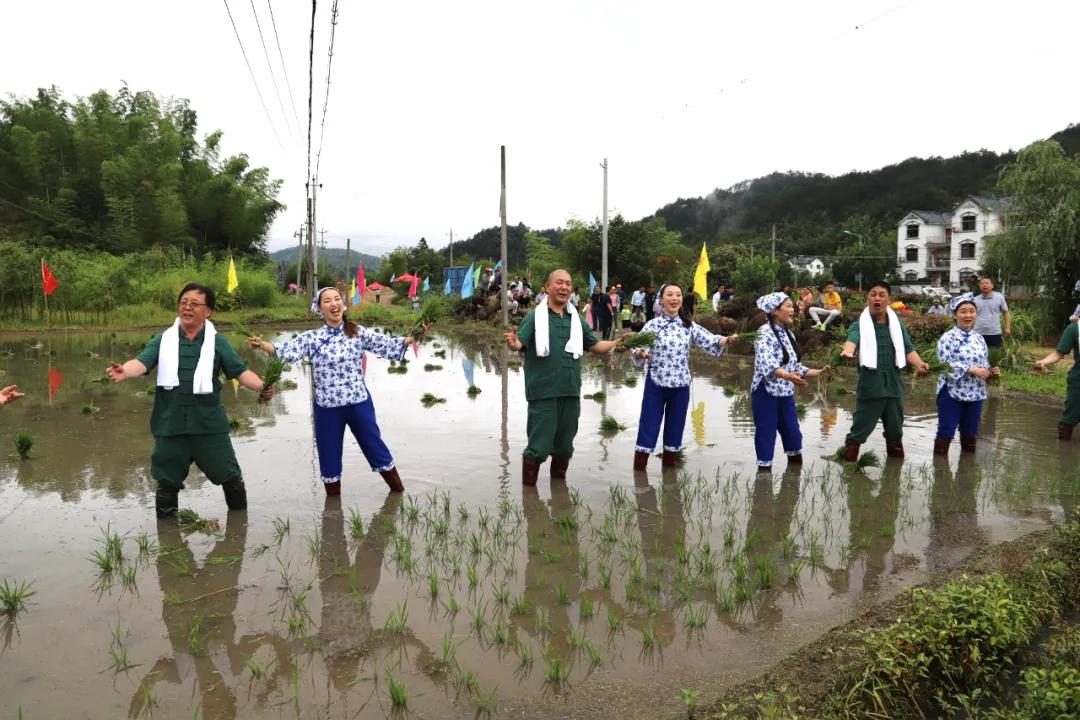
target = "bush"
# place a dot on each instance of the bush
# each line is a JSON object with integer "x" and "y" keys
{"x": 927, "y": 328}
{"x": 372, "y": 315}
{"x": 755, "y": 277}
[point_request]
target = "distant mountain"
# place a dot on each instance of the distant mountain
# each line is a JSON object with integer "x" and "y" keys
{"x": 333, "y": 257}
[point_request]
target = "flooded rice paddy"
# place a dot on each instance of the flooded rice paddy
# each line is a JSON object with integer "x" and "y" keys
{"x": 600, "y": 597}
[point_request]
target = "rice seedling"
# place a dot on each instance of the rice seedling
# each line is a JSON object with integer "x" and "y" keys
{"x": 90, "y": 409}
{"x": 13, "y": 595}
{"x": 652, "y": 604}
{"x": 795, "y": 570}
{"x": 648, "y": 638}
{"x": 281, "y": 529}
{"x": 763, "y": 572}
{"x": 127, "y": 577}
{"x": 500, "y": 632}
{"x": 630, "y": 381}
{"x": 190, "y": 521}
{"x": 479, "y": 618}
{"x": 398, "y": 697}
{"x": 598, "y": 396}
{"x": 144, "y": 544}
{"x": 575, "y": 637}
{"x": 452, "y": 607}
{"x": 448, "y": 655}
{"x": 817, "y": 556}
{"x": 586, "y": 610}
{"x": 148, "y": 695}
{"x": 800, "y": 408}
{"x": 118, "y": 652}
{"x": 562, "y": 595}
{"x": 473, "y": 391}
{"x": 870, "y": 458}
{"x": 173, "y": 598}
{"x": 429, "y": 400}
{"x": 472, "y": 576}
{"x": 726, "y": 601}
{"x": 196, "y": 642}
{"x": 614, "y": 622}
{"x": 638, "y": 340}
{"x": 398, "y": 618}
{"x": 24, "y": 442}
{"x": 430, "y": 367}
{"x": 696, "y": 618}
{"x": 468, "y": 680}
{"x": 288, "y": 384}
{"x": 610, "y": 424}
{"x": 524, "y": 653}
{"x": 555, "y": 670}
{"x": 240, "y": 423}
{"x": 543, "y": 619}
{"x": 689, "y": 699}
{"x": 274, "y": 368}
{"x": 440, "y": 354}
{"x": 603, "y": 576}
{"x": 501, "y": 595}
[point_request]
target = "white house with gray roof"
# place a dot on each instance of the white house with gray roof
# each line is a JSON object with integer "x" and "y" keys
{"x": 945, "y": 247}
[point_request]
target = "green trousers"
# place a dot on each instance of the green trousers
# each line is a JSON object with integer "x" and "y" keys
{"x": 552, "y": 426}
{"x": 1071, "y": 414}
{"x": 890, "y": 411}
{"x": 173, "y": 455}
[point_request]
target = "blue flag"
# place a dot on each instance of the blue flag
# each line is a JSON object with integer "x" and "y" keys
{"x": 446, "y": 288}
{"x": 467, "y": 365}
{"x": 467, "y": 286}
{"x": 426, "y": 284}
{"x": 499, "y": 265}
{"x": 592, "y": 282}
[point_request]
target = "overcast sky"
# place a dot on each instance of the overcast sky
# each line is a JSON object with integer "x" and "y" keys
{"x": 680, "y": 96}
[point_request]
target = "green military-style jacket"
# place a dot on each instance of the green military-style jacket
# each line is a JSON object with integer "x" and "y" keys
{"x": 558, "y": 374}
{"x": 1068, "y": 344}
{"x": 179, "y": 411}
{"x": 885, "y": 382}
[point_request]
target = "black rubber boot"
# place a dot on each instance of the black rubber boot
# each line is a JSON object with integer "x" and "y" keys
{"x": 558, "y": 467}
{"x": 166, "y": 503}
{"x": 794, "y": 459}
{"x": 641, "y": 460}
{"x": 235, "y": 494}
{"x": 1065, "y": 432}
{"x": 894, "y": 448}
{"x": 392, "y": 478}
{"x": 670, "y": 459}
{"x": 851, "y": 452}
{"x": 530, "y": 469}
{"x": 968, "y": 443}
{"x": 941, "y": 445}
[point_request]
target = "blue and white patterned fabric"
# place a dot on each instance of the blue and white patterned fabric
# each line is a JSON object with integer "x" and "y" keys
{"x": 961, "y": 351}
{"x": 770, "y": 302}
{"x": 669, "y": 361}
{"x": 336, "y": 360}
{"x": 957, "y": 301}
{"x": 769, "y": 356}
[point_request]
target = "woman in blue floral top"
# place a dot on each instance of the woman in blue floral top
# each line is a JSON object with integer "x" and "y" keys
{"x": 667, "y": 382}
{"x": 962, "y": 385}
{"x": 336, "y": 351}
{"x": 777, "y": 370}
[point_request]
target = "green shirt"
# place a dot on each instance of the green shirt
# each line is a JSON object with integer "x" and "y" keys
{"x": 179, "y": 411}
{"x": 558, "y": 374}
{"x": 1068, "y": 344}
{"x": 885, "y": 382}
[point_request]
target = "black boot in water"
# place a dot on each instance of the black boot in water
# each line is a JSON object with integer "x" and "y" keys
{"x": 235, "y": 494}
{"x": 166, "y": 503}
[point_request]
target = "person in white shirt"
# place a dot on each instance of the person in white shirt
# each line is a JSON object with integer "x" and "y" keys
{"x": 637, "y": 300}
{"x": 716, "y": 301}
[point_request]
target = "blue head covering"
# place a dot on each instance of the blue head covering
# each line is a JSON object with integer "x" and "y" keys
{"x": 770, "y": 302}
{"x": 959, "y": 300}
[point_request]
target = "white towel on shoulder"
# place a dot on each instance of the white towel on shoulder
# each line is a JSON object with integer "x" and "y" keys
{"x": 542, "y": 341}
{"x": 169, "y": 360}
{"x": 868, "y": 339}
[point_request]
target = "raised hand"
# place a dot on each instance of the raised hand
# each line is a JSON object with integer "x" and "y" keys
{"x": 115, "y": 371}
{"x": 10, "y": 394}
{"x": 512, "y": 341}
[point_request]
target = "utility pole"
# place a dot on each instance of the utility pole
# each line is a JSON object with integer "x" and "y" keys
{"x": 348, "y": 274}
{"x": 603, "y": 236}
{"x": 322, "y": 247}
{"x": 312, "y": 277}
{"x": 774, "y": 242}
{"x": 299, "y": 254}
{"x": 502, "y": 238}
{"x": 451, "y": 247}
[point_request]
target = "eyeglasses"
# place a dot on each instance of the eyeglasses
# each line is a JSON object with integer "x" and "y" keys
{"x": 191, "y": 304}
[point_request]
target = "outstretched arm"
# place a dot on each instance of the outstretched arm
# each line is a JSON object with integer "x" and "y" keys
{"x": 119, "y": 373}
{"x": 10, "y": 394}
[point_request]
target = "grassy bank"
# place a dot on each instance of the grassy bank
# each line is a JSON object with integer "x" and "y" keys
{"x": 984, "y": 641}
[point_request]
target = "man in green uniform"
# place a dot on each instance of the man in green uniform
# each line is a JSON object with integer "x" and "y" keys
{"x": 1069, "y": 343}
{"x": 880, "y": 394}
{"x": 553, "y": 376}
{"x": 188, "y": 421}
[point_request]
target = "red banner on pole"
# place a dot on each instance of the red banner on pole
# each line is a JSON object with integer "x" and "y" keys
{"x": 48, "y": 280}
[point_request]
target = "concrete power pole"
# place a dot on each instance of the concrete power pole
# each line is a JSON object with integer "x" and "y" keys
{"x": 313, "y": 279}
{"x": 774, "y": 242}
{"x": 322, "y": 246}
{"x": 451, "y": 247}
{"x": 348, "y": 268}
{"x": 603, "y": 236}
{"x": 299, "y": 254}
{"x": 502, "y": 237}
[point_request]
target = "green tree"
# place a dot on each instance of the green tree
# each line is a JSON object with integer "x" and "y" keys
{"x": 541, "y": 257}
{"x": 755, "y": 276}
{"x": 1040, "y": 247}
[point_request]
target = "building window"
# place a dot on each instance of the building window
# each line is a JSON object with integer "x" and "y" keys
{"x": 967, "y": 223}
{"x": 967, "y": 250}
{"x": 912, "y": 254}
{"x": 913, "y": 230}
{"x": 968, "y": 277}
{"x": 911, "y": 276}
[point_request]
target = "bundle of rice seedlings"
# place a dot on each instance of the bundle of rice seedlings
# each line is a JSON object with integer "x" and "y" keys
{"x": 638, "y": 340}
{"x": 274, "y": 368}
{"x": 240, "y": 327}
{"x": 190, "y": 520}
{"x": 473, "y": 391}
{"x": 610, "y": 424}
{"x": 427, "y": 400}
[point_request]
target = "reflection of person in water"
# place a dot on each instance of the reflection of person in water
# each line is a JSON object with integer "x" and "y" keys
{"x": 954, "y": 526}
{"x": 871, "y": 525}
{"x": 770, "y": 521}
{"x": 347, "y": 587}
{"x": 208, "y": 596}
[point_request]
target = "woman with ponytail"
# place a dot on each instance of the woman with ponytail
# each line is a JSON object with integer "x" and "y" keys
{"x": 777, "y": 370}
{"x": 667, "y": 382}
{"x": 336, "y": 350}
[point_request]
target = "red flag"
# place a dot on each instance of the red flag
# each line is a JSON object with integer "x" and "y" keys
{"x": 55, "y": 379}
{"x": 48, "y": 281}
{"x": 412, "y": 286}
{"x": 361, "y": 283}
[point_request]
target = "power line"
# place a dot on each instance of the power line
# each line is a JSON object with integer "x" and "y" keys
{"x": 284, "y": 70}
{"x": 252, "y": 73}
{"x": 270, "y": 67}
{"x": 326, "y": 97}
{"x": 311, "y": 88}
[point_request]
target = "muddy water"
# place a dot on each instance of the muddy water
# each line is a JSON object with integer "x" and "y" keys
{"x": 600, "y": 597}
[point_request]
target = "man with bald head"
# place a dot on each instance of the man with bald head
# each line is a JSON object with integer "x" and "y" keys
{"x": 553, "y": 337}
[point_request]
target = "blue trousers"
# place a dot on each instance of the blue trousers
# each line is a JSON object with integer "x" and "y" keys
{"x": 330, "y": 433}
{"x": 661, "y": 403}
{"x": 953, "y": 413}
{"x": 772, "y": 415}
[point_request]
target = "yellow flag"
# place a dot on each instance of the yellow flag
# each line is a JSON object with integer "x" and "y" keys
{"x": 701, "y": 283}
{"x": 233, "y": 282}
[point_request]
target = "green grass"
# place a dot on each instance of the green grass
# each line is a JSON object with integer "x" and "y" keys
{"x": 13, "y": 596}
{"x": 1049, "y": 383}
{"x": 23, "y": 442}
{"x": 398, "y": 697}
